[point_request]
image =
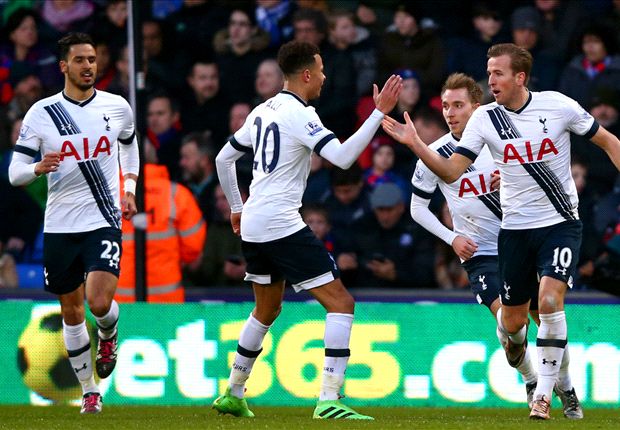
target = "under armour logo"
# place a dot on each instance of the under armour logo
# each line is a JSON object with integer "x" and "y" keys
{"x": 113, "y": 263}
{"x": 552, "y": 362}
{"x": 481, "y": 280}
{"x": 543, "y": 121}
{"x": 67, "y": 127}
{"x": 507, "y": 293}
{"x": 107, "y": 122}
{"x": 504, "y": 132}
{"x": 81, "y": 368}
{"x": 562, "y": 270}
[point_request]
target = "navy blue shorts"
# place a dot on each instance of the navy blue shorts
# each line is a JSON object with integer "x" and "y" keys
{"x": 483, "y": 274}
{"x": 525, "y": 256}
{"x": 69, "y": 257}
{"x": 299, "y": 258}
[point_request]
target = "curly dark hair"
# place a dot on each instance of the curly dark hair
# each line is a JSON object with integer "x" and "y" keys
{"x": 295, "y": 56}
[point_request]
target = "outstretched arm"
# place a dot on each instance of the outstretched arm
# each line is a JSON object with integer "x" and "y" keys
{"x": 344, "y": 155}
{"x": 609, "y": 143}
{"x": 448, "y": 169}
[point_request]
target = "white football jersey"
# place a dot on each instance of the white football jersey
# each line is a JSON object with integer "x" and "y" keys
{"x": 474, "y": 207}
{"x": 282, "y": 132}
{"x": 531, "y": 148}
{"x": 83, "y": 194}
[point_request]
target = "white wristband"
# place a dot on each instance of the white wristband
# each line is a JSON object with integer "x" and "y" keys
{"x": 130, "y": 186}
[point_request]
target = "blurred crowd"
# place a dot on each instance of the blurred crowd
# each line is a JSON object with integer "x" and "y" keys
{"x": 208, "y": 63}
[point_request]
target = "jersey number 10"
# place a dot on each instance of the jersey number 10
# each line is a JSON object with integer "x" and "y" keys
{"x": 262, "y": 145}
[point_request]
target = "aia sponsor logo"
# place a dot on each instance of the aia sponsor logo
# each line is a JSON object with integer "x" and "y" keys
{"x": 69, "y": 149}
{"x": 528, "y": 154}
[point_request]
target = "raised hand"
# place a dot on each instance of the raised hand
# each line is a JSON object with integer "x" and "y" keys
{"x": 387, "y": 98}
{"x": 404, "y": 133}
{"x": 49, "y": 163}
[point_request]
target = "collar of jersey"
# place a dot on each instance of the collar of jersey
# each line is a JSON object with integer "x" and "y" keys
{"x": 522, "y": 108}
{"x": 83, "y": 102}
{"x": 454, "y": 137}
{"x": 294, "y": 95}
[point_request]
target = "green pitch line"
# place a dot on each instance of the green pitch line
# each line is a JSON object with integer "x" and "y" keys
{"x": 271, "y": 418}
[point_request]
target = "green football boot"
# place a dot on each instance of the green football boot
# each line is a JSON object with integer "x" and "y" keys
{"x": 334, "y": 410}
{"x": 229, "y": 404}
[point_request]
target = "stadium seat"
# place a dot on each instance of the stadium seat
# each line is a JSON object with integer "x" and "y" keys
{"x": 30, "y": 275}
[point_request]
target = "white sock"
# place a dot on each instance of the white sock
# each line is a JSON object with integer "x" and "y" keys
{"x": 518, "y": 337}
{"x": 249, "y": 347}
{"x": 77, "y": 343}
{"x": 564, "y": 381}
{"x": 107, "y": 323}
{"x": 337, "y": 335}
{"x": 550, "y": 344}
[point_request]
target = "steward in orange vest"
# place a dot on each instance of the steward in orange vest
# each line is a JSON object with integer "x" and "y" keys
{"x": 175, "y": 236}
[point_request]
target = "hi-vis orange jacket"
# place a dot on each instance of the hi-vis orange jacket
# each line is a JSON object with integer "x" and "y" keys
{"x": 175, "y": 234}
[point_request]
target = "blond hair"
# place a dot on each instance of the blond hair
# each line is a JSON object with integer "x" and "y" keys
{"x": 460, "y": 80}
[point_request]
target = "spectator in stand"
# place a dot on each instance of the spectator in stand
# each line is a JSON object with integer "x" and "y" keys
{"x": 591, "y": 243}
{"x": 412, "y": 47}
{"x": 66, "y": 16}
{"x": 605, "y": 108}
{"x": 526, "y": 24}
{"x": 112, "y": 25}
{"x": 222, "y": 262}
{"x": 164, "y": 132}
{"x": 381, "y": 171}
{"x": 198, "y": 170}
{"x": 120, "y": 83}
{"x": 239, "y": 49}
{"x": 194, "y": 26}
{"x": 204, "y": 106}
{"x": 317, "y": 218}
{"x": 27, "y": 90}
{"x": 598, "y": 66}
{"x": 560, "y": 20}
{"x": 388, "y": 249}
{"x": 175, "y": 235}
{"x": 276, "y": 18}
{"x": 24, "y": 55}
{"x": 269, "y": 80}
{"x": 161, "y": 61}
{"x": 345, "y": 35}
{"x": 336, "y": 105}
{"x": 106, "y": 72}
{"x": 310, "y": 25}
{"x": 21, "y": 220}
{"x": 469, "y": 54}
{"x": 318, "y": 183}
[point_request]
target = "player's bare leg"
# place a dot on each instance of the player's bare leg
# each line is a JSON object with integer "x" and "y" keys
{"x": 268, "y": 300}
{"x": 77, "y": 342}
{"x": 100, "y": 288}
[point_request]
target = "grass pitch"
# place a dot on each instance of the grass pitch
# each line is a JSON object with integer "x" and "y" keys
{"x": 294, "y": 418}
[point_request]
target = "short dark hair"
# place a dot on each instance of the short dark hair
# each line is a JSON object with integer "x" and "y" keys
{"x": 174, "y": 104}
{"x": 313, "y": 15}
{"x": 203, "y": 141}
{"x": 606, "y": 35}
{"x": 351, "y": 176}
{"x": 18, "y": 16}
{"x": 520, "y": 58}
{"x": 65, "y": 44}
{"x": 295, "y": 56}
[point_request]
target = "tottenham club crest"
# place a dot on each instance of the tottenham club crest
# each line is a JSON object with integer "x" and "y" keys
{"x": 107, "y": 122}
{"x": 543, "y": 121}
